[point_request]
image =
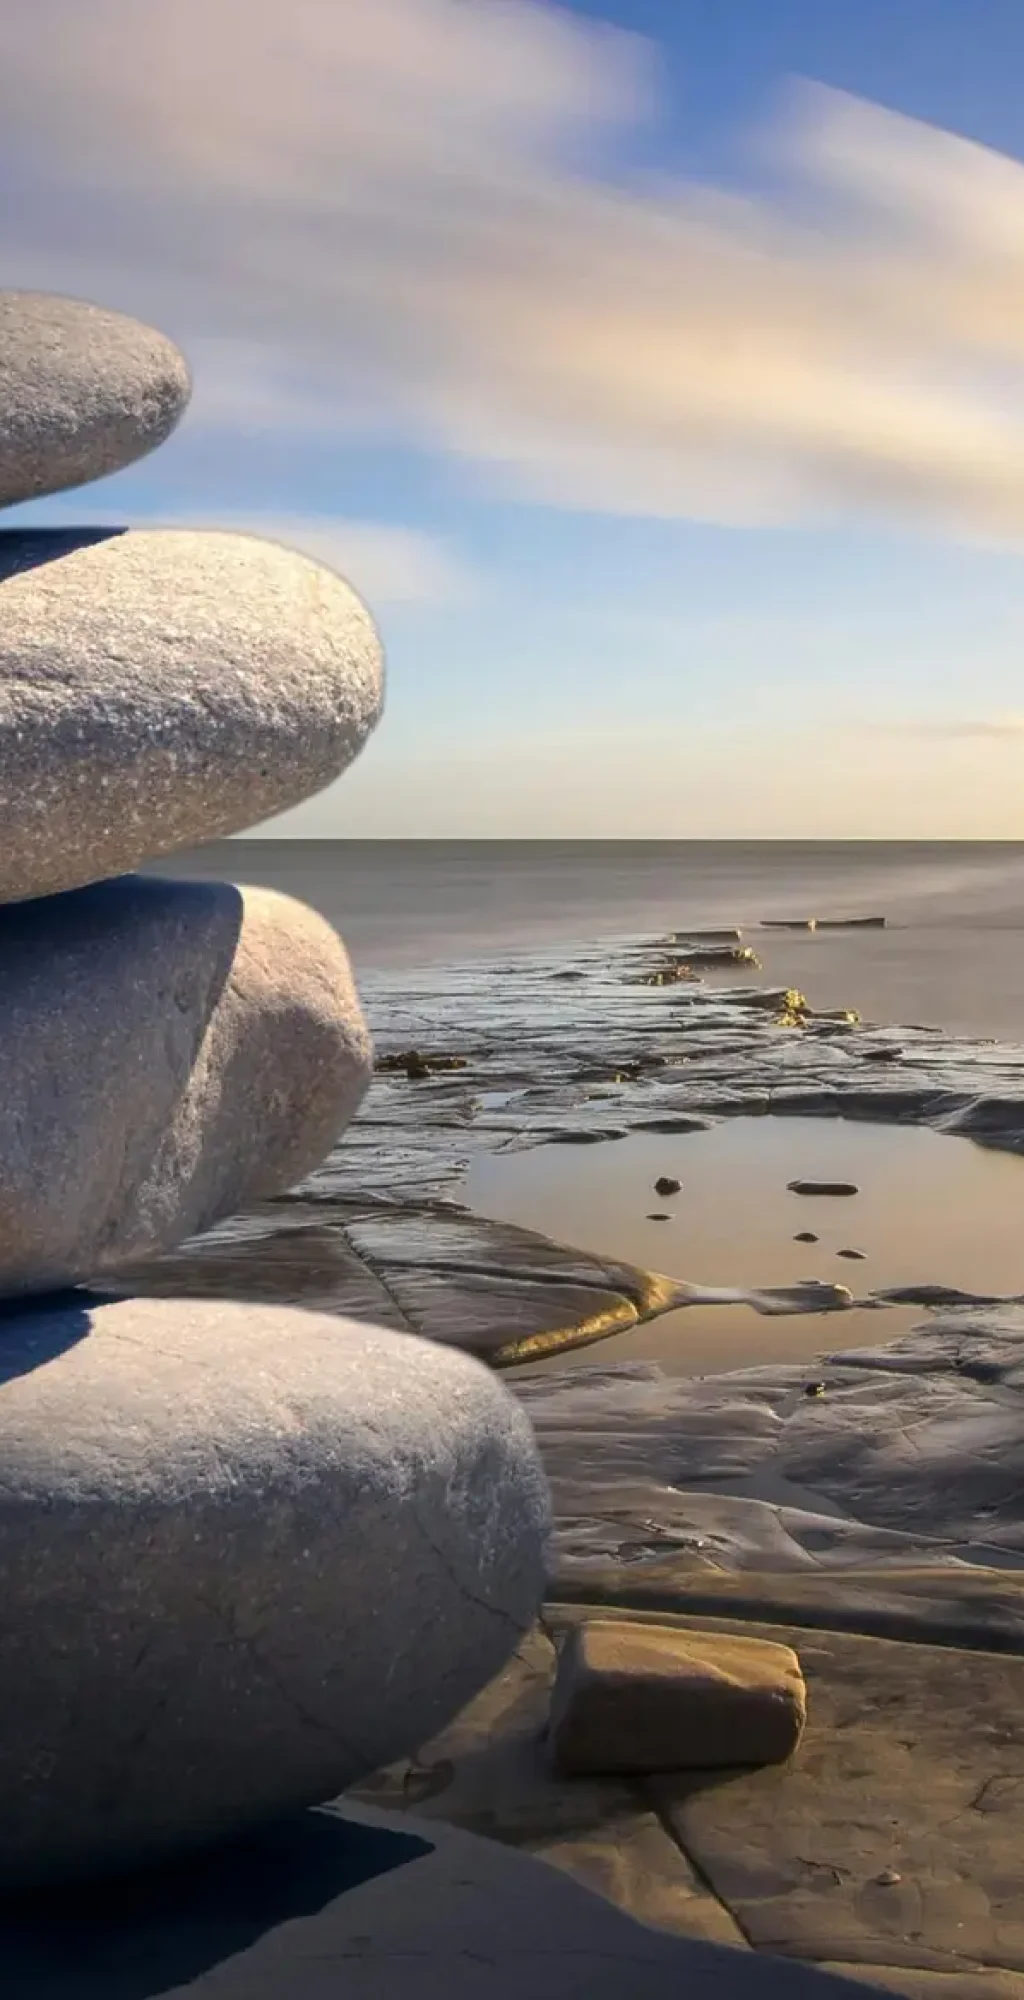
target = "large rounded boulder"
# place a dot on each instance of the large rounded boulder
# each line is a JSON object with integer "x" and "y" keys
{"x": 247, "y": 1555}
{"x": 163, "y": 688}
{"x": 172, "y": 1052}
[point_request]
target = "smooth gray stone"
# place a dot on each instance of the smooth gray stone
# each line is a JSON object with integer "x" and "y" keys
{"x": 172, "y": 1051}
{"x": 247, "y": 1554}
{"x": 354, "y": 1904}
{"x": 164, "y": 687}
{"x": 83, "y": 392}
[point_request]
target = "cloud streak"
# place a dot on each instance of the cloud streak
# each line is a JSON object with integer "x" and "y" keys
{"x": 389, "y": 215}
{"x": 1008, "y": 729}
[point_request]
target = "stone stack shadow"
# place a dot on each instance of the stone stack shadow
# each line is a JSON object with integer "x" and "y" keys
{"x": 247, "y": 1553}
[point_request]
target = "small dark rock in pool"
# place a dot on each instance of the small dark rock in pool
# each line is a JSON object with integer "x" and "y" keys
{"x": 666, "y": 1185}
{"x": 815, "y": 1389}
{"x": 855, "y": 1256}
{"x": 822, "y": 1187}
{"x": 805, "y": 1236}
{"x": 659, "y": 1215}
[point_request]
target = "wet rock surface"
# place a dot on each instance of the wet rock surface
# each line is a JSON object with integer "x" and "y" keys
{"x": 881, "y": 1502}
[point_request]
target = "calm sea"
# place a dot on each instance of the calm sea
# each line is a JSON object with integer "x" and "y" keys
{"x": 952, "y": 954}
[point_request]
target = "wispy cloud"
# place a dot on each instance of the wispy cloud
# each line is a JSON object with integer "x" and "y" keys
{"x": 953, "y": 729}
{"x": 387, "y": 213}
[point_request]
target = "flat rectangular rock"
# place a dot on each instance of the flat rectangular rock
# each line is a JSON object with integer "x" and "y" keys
{"x": 488, "y": 1773}
{"x": 636, "y": 1696}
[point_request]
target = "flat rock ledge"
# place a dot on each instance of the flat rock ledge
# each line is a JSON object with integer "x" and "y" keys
{"x": 884, "y": 1849}
{"x": 350, "y": 1901}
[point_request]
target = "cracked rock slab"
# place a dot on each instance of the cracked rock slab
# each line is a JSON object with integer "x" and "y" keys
{"x": 494, "y": 1290}
{"x": 164, "y": 687}
{"x": 172, "y": 1051}
{"x": 83, "y": 392}
{"x": 246, "y": 1556}
{"x": 892, "y": 1837}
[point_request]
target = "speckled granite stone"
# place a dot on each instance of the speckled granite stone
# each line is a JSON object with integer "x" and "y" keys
{"x": 246, "y": 1554}
{"x": 83, "y": 392}
{"x": 161, "y": 688}
{"x": 171, "y": 1051}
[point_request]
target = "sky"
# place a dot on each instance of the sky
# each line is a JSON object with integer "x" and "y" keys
{"x": 653, "y": 369}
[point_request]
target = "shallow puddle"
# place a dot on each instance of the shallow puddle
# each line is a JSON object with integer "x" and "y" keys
{"x": 930, "y": 1210}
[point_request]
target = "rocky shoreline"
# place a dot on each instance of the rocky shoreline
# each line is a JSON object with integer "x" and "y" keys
{"x": 739, "y": 1472}
{"x": 877, "y": 1527}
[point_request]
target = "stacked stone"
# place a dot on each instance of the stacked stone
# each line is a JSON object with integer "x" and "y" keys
{"x": 246, "y": 1554}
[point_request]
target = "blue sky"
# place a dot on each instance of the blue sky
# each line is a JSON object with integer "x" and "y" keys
{"x": 653, "y": 371}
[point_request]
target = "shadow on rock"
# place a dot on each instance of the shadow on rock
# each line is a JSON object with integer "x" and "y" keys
{"x": 135, "y": 1937}
{"x": 34, "y": 1331}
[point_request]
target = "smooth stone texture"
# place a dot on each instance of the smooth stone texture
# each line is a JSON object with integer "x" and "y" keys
{"x": 160, "y": 688}
{"x": 360, "y": 1905}
{"x": 643, "y": 1697}
{"x": 172, "y": 1051}
{"x": 83, "y": 392}
{"x": 246, "y": 1555}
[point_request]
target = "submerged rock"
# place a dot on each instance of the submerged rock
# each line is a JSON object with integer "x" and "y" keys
{"x": 822, "y": 1187}
{"x": 172, "y": 1051}
{"x": 164, "y": 688}
{"x": 246, "y": 1554}
{"x": 665, "y": 1184}
{"x": 83, "y": 392}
